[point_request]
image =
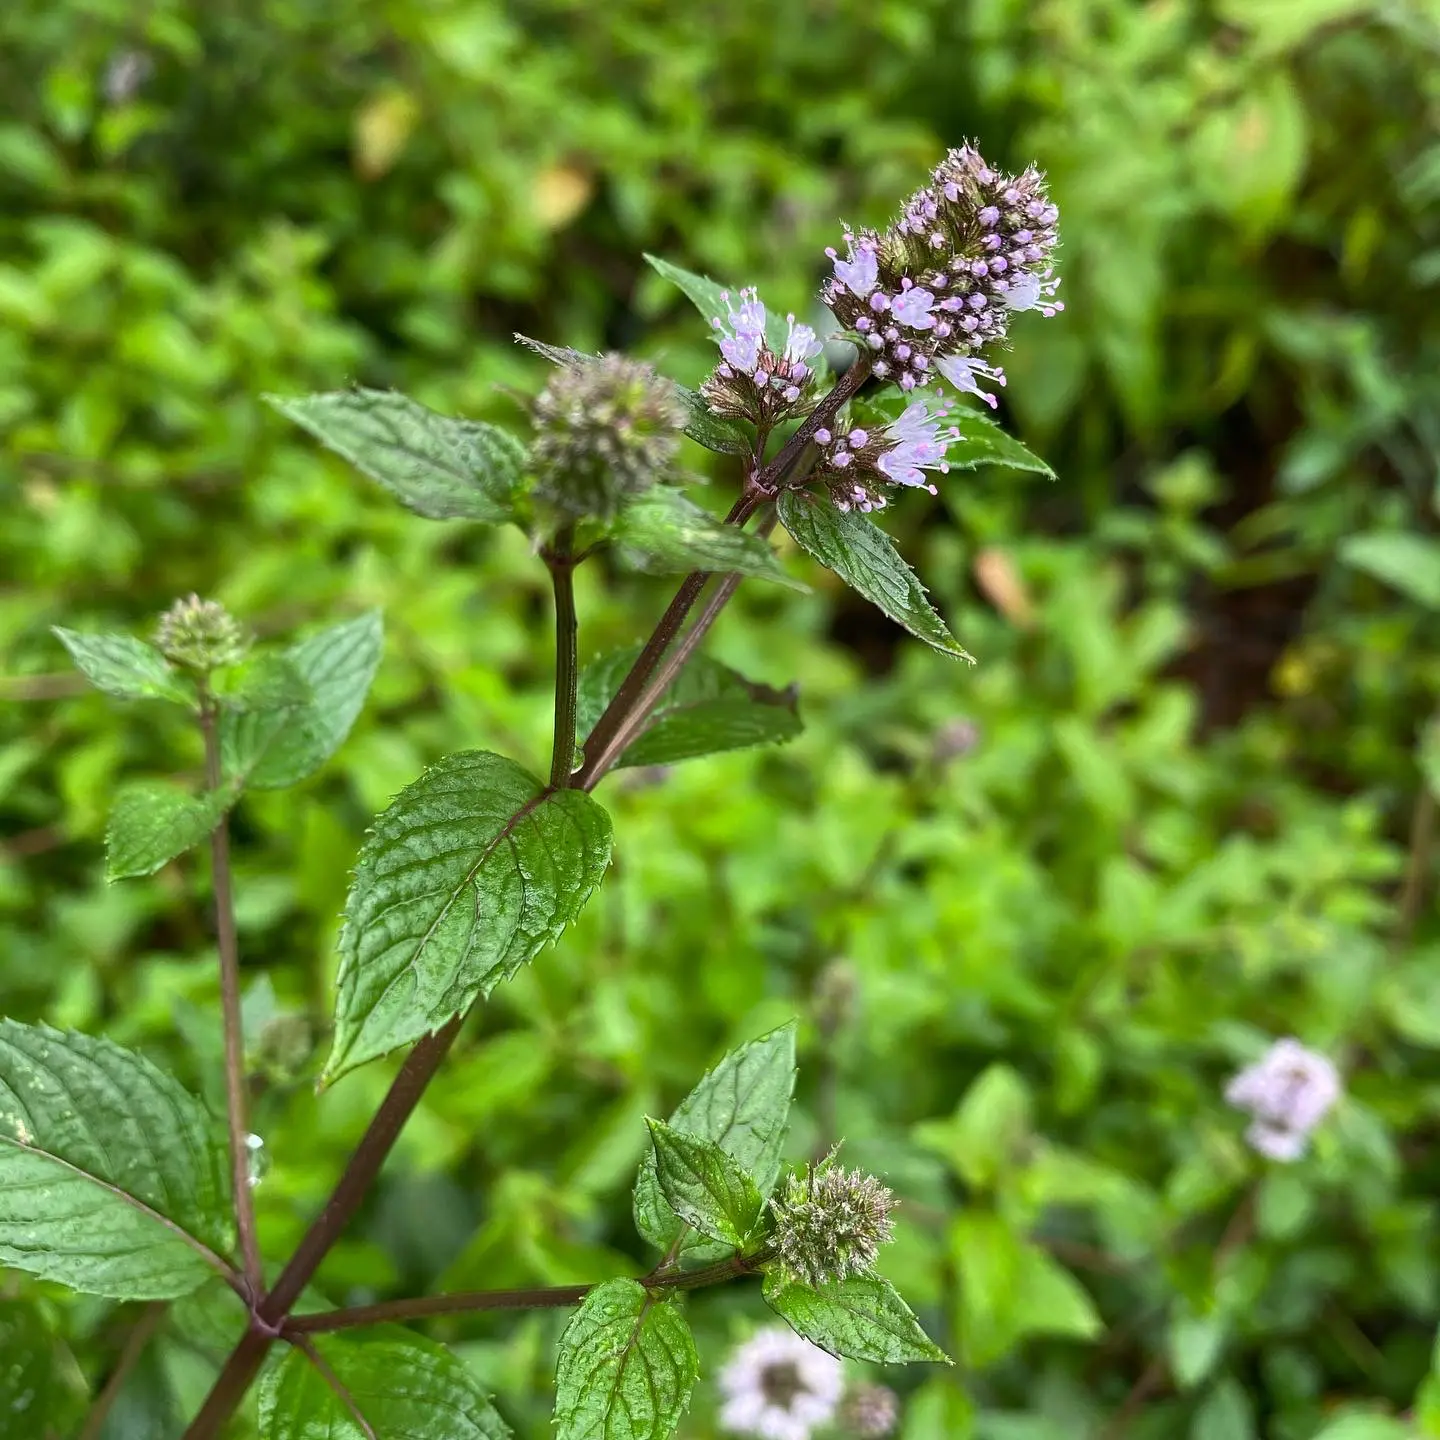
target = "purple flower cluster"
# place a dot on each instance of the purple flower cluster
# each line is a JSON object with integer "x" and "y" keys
{"x": 1287, "y": 1092}
{"x": 752, "y": 382}
{"x": 858, "y": 461}
{"x": 928, "y": 295}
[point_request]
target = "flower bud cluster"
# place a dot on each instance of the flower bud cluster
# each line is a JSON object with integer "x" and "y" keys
{"x": 201, "y": 635}
{"x": 869, "y": 1411}
{"x": 939, "y": 286}
{"x": 752, "y": 382}
{"x": 856, "y": 462}
{"x": 605, "y": 430}
{"x": 830, "y": 1223}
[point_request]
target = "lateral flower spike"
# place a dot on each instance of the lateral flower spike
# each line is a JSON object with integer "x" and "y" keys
{"x": 830, "y": 1222}
{"x": 201, "y": 634}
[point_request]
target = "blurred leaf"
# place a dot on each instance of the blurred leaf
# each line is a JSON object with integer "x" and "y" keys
{"x": 1411, "y": 563}
{"x": 865, "y": 558}
{"x": 1365, "y": 1427}
{"x": 36, "y": 1395}
{"x": 469, "y": 873}
{"x": 984, "y": 1139}
{"x": 1195, "y": 1343}
{"x": 627, "y": 1366}
{"x": 709, "y": 299}
{"x": 714, "y": 432}
{"x": 858, "y": 1318}
{"x": 151, "y": 823}
{"x": 983, "y": 442}
{"x": 434, "y": 465}
{"x": 1225, "y": 1414}
{"x": 1250, "y": 155}
{"x": 704, "y": 1186}
{"x": 382, "y": 128}
{"x": 126, "y": 668}
{"x": 666, "y": 534}
{"x": 112, "y": 1178}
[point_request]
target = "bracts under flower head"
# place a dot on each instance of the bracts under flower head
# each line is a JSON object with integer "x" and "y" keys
{"x": 752, "y": 382}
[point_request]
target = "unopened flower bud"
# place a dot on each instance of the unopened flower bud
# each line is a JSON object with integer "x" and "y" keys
{"x": 605, "y": 429}
{"x": 201, "y": 634}
{"x": 869, "y": 1411}
{"x": 831, "y": 1222}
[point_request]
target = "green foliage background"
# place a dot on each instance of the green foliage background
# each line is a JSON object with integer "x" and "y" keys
{"x": 1026, "y": 970}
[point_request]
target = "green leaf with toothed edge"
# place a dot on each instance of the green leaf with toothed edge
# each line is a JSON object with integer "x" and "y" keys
{"x": 151, "y": 823}
{"x": 437, "y": 466}
{"x": 743, "y": 1106}
{"x": 707, "y": 296}
{"x": 704, "y": 1186}
{"x": 627, "y": 1367}
{"x": 464, "y": 878}
{"x": 113, "y": 1180}
{"x": 858, "y": 1318}
{"x": 866, "y": 559}
{"x": 125, "y": 667}
{"x": 981, "y": 442}
{"x": 392, "y": 1386}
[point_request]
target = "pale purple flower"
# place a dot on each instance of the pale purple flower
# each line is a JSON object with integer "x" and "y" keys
{"x": 912, "y": 309}
{"x": 1032, "y": 291}
{"x": 1287, "y": 1092}
{"x": 778, "y": 1386}
{"x": 920, "y": 439}
{"x": 741, "y": 344}
{"x": 965, "y": 372}
{"x": 802, "y": 345}
{"x": 861, "y": 272}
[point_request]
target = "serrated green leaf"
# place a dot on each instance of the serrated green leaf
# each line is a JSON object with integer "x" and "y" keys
{"x": 437, "y": 466}
{"x": 125, "y": 667}
{"x": 261, "y": 682}
{"x": 627, "y": 1366}
{"x": 113, "y": 1180}
{"x": 151, "y": 823}
{"x": 714, "y": 432}
{"x": 708, "y": 708}
{"x": 1410, "y": 563}
{"x": 708, "y": 297}
{"x": 743, "y": 1106}
{"x": 704, "y": 1186}
{"x": 859, "y": 1318}
{"x": 268, "y": 749}
{"x": 399, "y": 1385}
{"x": 468, "y": 873}
{"x": 664, "y": 533}
{"x": 983, "y": 442}
{"x": 866, "y": 559}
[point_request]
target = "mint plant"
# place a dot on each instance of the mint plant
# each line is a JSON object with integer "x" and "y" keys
{"x": 118, "y": 1183}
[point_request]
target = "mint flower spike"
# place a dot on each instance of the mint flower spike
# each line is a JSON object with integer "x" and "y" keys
{"x": 830, "y": 1223}
{"x": 201, "y": 635}
{"x": 856, "y": 463}
{"x": 969, "y": 250}
{"x": 1288, "y": 1092}
{"x": 752, "y": 382}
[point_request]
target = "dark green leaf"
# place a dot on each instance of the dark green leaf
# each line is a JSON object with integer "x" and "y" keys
{"x": 707, "y": 296}
{"x": 983, "y": 442}
{"x": 860, "y": 1318}
{"x": 262, "y": 682}
{"x": 704, "y": 1186}
{"x": 399, "y": 1385}
{"x": 627, "y": 1366}
{"x": 268, "y": 749}
{"x": 41, "y": 1394}
{"x": 123, "y": 666}
{"x": 151, "y": 823}
{"x": 112, "y": 1178}
{"x": 708, "y": 708}
{"x": 1409, "y": 563}
{"x": 743, "y": 1106}
{"x": 664, "y": 533}
{"x": 865, "y": 558}
{"x": 714, "y": 432}
{"x": 470, "y": 871}
{"x": 437, "y": 466}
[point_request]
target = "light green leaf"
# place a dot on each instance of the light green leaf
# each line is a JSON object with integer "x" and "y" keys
{"x": 1195, "y": 1343}
{"x": 39, "y": 1396}
{"x": 664, "y": 533}
{"x": 707, "y": 296}
{"x": 1365, "y": 1427}
{"x": 983, "y": 442}
{"x": 714, "y": 432}
{"x": 708, "y": 708}
{"x": 151, "y": 823}
{"x": 399, "y": 1385}
{"x": 464, "y": 878}
{"x": 743, "y": 1106}
{"x": 437, "y": 466}
{"x": 1409, "y": 562}
{"x": 1225, "y": 1414}
{"x": 270, "y": 748}
{"x": 125, "y": 667}
{"x": 265, "y": 681}
{"x": 865, "y": 558}
{"x": 984, "y": 1138}
{"x": 627, "y": 1366}
{"x": 113, "y": 1179}
{"x": 859, "y": 1318}
{"x": 704, "y": 1186}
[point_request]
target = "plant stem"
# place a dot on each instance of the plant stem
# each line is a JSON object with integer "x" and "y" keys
{"x": 559, "y": 556}
{"x": 236, "y": 1099}
{"x": 542, "y": 1298}
{"x": 776, "y": 471}
{"x": 135, "y": 1343}
{"x": 1417, "y": 868}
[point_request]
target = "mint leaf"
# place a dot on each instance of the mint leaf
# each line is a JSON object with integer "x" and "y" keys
{"x": 704, "y": 1186}
{"x": 39, "y": 1396}
{"x": 261, "y": 682}
{"x": 706, "y": 296}
{"x": 983, "y": 442}
{"x": 151, "y": 823}
{"x": 125, "y": 667}
{"x": 398, "y": 1386}
{"x": 708, "y": 708}
{"x": 113, "y": 1179}
{"x": 270, "y": 748}
{"x": 664, "y": 533}
{"x": 865, "y": 558}
{"x": 715, "y": 432}
{"x": 464, "y": 878}
{"x": 859, "y": 1318}
{"x": 438, "y": 467}
{"x": 627, "y": 1366}
{"x": 743, "y": 1106}
{"x": 1408, "y": 563}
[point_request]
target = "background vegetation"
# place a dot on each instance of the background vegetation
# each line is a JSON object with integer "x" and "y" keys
{"x": 1033, "y": 914}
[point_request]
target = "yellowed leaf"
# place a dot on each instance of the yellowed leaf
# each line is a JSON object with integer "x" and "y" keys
{"x": 1002, "y": 586}
{"x": 382, "y": 128}
{"x": 559, "y": 194}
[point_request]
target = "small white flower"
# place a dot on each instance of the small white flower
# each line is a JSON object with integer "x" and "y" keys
{"x": 1288, "y": 1091}
{"x": 1031, "y": 291}
{"x": 802, "y": 345}
{"x": 742, "y": 331}
{"x": 920, "y": 443}
{"x": 778, "y": 1386}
